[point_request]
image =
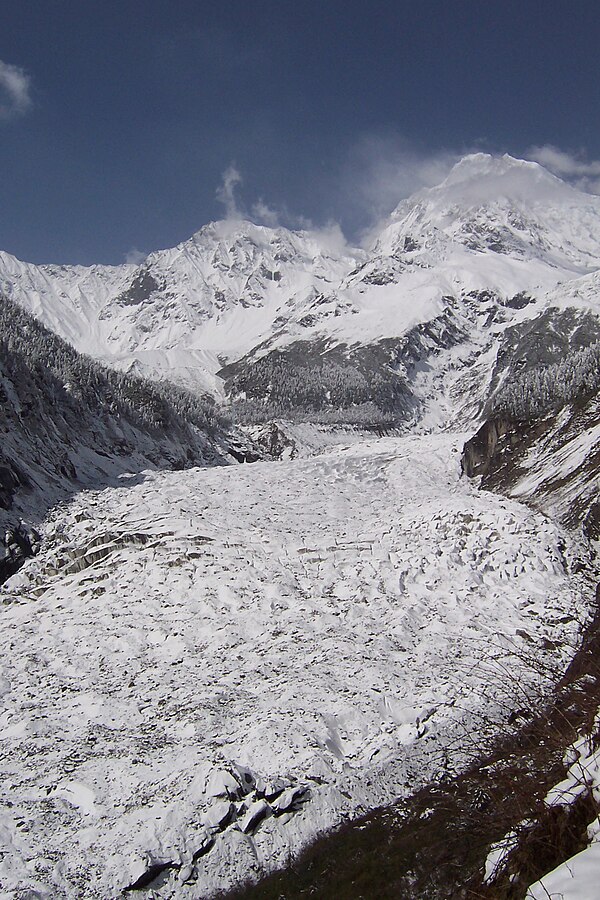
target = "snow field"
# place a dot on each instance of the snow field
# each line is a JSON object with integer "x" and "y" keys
{"x": 212, "y": 666}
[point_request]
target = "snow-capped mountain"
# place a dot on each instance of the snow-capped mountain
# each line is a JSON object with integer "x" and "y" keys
{"x": 228, "y": 661}
{"x": 181, "y": 310}
{"x": 236, "y": 292}
{"x": 453, "y": 298}
{"x": 508, "y": 206}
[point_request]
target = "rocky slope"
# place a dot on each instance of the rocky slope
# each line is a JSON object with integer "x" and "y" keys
{"x": 540, "y": 440}
{"x": 67, "y": 423}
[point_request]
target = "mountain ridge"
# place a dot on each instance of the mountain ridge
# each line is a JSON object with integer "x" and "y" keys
{"x": 235, "y": 288}
{"x": 295, "y": 325}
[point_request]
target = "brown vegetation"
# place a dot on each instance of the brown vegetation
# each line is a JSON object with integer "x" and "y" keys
{"x": 433, "y": 846}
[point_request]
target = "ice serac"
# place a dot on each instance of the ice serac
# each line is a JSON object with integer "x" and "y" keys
{"x": 236, "y": 659}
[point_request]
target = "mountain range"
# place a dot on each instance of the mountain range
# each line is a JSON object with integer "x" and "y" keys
{"x": 236, "y": 293}
{"x": 258, "y": 652}
{"x": 490, "y": 274}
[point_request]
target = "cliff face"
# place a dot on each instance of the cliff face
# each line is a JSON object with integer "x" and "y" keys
{"x": 480, "y": 453}
{"x": 553, "y": 464}
{"x": 11, "y": 479}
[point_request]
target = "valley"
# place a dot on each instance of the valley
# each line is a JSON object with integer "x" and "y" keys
{"x": 342, "y": 540}
{"x": 339, "y": 625}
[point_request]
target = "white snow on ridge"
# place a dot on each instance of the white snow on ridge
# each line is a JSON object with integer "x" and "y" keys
{"x": 326, "y": 621}
{"x": 507, "y": 205}
{"x": 217, "y": 294}
{"x": 501, "y": 225}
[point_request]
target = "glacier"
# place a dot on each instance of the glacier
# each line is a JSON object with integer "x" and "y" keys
{"x": 202, "y": 670}
{"x": 327, "y": 622}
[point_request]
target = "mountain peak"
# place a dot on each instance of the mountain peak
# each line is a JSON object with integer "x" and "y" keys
{"x": 481, "y": 180}
{"x": 484, "y": 165}
{"x": 499, "y": 204}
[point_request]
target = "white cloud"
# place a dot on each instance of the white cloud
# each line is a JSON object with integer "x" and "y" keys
{"x": 332, "y": 239}
{"x": 225, "y": 193}
{"x": 330, "y": 236}
{"x": 375, "y": 175}
{"x": 380, "y": 171}
{"x": 15, "y": 86}
{"x": 264, "y": 214}
{"x": 261, "y": 213}
{"x": 573, "y": 167}
{"x": 134, "y": 257}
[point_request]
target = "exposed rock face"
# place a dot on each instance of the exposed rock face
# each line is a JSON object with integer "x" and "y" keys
{"x": 591, "y": 528}
{"x": 141, "y": 288}
{"x": 21, "y": 541}
{"x": 480, "y": 453}
{"x": 540, "y": 439}
{"x": 552, "y": 463}
{"x": 11, "y": 478}
{"x": 274, "y": 441}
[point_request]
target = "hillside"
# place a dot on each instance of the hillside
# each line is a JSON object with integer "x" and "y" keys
{"x": 68, "y": 423}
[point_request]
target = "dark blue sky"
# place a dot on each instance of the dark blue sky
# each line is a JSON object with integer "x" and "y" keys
{"x": 329, "y": 110}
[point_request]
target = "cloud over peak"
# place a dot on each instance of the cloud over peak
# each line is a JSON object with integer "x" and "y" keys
{"x": 134, "y": 257}
{"x": 261, "y": 212}
{"x": 225, "y": 193}
{"x": 15, "y": 87}
{"x": 573, "y": 167}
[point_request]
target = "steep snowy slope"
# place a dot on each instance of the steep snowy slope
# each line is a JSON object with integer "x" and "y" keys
{"x": 67, "y": 423}
{"x": 492, "y": 246}
{"x": 504, "y": 226}
{"x": 540, "y": 439}
{"x": 217, "y": 294}
{"x": 505, "y": 205}
{"x": 202, "y": 671}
